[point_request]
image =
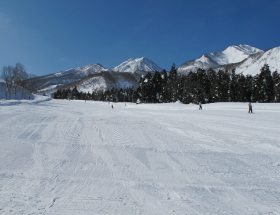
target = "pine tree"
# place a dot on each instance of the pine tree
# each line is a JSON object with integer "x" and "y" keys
{"x": 192, "y": 83}
{"x": 147, "y": 88}
{"x": 164, "y": 92}
{"x": 223, "y": 79}
{"x": 213, "y": 92}
{"x": 241, "y": 88}
{"x": 233, "y": 87}
{"x": 249, "y": 88}
{"x": 203, "y": 87}
{"x": 75, "y": 93}
{"x": 276, "y": 80}
{"x": 264, "y": 85}
{"x": 158, "y": 84}
{"x": 172, "y": 85}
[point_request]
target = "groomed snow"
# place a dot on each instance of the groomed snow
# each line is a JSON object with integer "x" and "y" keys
{"x": 76, "y": 157}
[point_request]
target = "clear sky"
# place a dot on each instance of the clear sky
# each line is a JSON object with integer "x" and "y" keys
{"x": 49, "y": 36}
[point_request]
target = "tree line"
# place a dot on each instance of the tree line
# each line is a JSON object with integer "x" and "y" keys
{"x": 14, "y": 81}
{"x": 201, "y": 86}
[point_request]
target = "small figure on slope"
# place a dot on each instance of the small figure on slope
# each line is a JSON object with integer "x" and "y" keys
{"x": 250, "y": 108}
{"x": 112, "y": 106}
{"x": 200, "y": 106}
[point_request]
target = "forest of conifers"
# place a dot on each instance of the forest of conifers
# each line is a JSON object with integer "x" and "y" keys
{"x": 201, "y": 86}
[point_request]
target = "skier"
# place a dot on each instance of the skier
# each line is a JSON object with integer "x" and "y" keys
{"x": 112, "y": 106}
{"x": 250, "y": 108}
{"x": 200, "y": 106}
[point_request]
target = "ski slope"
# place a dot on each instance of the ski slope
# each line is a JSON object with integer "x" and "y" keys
{"x": 76, "y": 157}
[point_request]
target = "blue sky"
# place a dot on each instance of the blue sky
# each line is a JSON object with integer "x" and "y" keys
{"x": 49, "y": 36}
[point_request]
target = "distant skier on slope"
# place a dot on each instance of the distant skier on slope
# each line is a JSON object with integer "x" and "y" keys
{"x": 200, "y": 106}
{"x": 112, "y": 106}
{"x": 250, "y": 107}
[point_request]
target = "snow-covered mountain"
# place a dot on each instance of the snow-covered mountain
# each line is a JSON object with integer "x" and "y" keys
{"x": 232, "y": 54}
{"x": 70, "y": 75}
{"x": 95, "y": 76}
{"x": 138, "y": 64}
{"x": 81, "y": 71}
{"x": 253, "y": 64}
{"x": 50, "y": 83}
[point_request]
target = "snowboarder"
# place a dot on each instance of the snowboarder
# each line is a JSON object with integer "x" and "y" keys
{"x": 200, "y": 106}
{"x": 250, "y": 107}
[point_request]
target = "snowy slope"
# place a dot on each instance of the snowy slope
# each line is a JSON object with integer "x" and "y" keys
{"x": 74, "y": 157}
{"x": 231, "y": 54}
{"x": 253, "y": 65}
{"x": 133, "y": 65}
{"x": 93, "y": 84}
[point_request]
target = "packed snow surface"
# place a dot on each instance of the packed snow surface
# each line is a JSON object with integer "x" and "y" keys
{"x": 77, "y": 157}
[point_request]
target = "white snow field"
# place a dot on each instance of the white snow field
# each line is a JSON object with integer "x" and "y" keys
{"x": 77, "y": 157}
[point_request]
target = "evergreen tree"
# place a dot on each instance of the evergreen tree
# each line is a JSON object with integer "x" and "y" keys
{"x": 172, "y": 85}
{"x": 213, "y": 92}
{"x": 241, "y": 88}
{"x": 203, "y": 87}
{"x": 158, "y": 85}
{"x": 147, "y": 89}
{"x": 186, "y": 97}
{"x": 276, "y": 80}
{"x": 164, "y": 92}
{"x": 75, "y": 93}
{"x": 233, "y": 87}
{"x": 249, "y": 88}
{"x": 113, "y": 94}
{"x": 223, "y": 79}
{"x": 264, "y": 85}
{"x": 192, "y": 80}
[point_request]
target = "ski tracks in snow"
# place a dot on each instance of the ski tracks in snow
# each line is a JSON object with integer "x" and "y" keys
{"x": 61, "y": 157}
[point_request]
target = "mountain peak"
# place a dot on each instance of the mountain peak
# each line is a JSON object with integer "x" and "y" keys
{"x": 235, "y": 54}
{"x": 133, "y": 65}
{"x": 232, "y": 54}
{"x": 245, "y": 49}
{"x": 253, "y": 64}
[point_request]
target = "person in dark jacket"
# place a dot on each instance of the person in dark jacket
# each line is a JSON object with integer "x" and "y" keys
{"x": 200, "y": 106}
{"x": 250, "y": 108}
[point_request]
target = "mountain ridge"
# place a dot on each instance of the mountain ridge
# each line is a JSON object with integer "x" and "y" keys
{"x": 243, "y": 58}
{"x": 230, "y": 55}
{"x": 95, "y": 75}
